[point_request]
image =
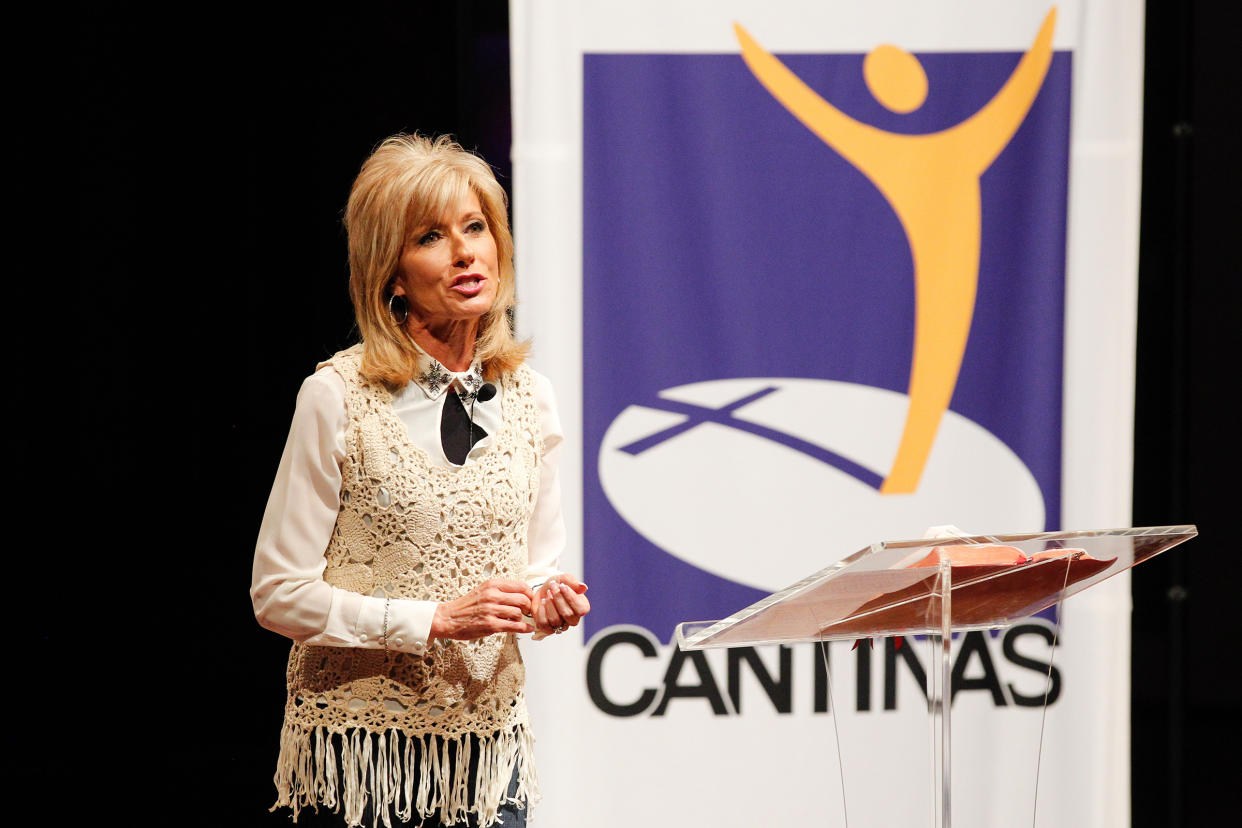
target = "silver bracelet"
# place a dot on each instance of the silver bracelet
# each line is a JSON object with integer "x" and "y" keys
{"x": 384, "y": 638}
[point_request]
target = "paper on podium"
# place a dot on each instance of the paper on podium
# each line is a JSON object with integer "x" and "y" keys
{"x": 894, "y": 587}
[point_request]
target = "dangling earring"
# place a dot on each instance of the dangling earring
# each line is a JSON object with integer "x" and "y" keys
{"x": 398, "y": 308}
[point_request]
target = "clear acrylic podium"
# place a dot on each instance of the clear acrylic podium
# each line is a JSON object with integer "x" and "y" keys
{"x": 934, "y": 588}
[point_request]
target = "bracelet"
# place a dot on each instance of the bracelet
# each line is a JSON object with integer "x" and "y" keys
{"x": 384, "y": 638}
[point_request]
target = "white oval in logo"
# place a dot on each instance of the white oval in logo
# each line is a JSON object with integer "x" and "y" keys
{"x": 752, "y": 498}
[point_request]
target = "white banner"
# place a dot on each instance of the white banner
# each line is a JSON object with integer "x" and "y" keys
{"x": 808, "y": 275}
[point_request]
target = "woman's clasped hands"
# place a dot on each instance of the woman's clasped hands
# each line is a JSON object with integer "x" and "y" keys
{"x": 503, "y": 605}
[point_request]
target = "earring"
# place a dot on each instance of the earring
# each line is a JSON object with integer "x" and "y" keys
{"x": 398, "y": 308}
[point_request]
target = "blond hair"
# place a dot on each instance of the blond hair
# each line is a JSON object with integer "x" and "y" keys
{"x": 407, "y": 182}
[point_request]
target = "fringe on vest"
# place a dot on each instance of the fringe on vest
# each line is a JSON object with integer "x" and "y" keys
{"x": 343, "y": 771}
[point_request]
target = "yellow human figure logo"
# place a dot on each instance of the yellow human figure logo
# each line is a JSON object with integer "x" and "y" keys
{"x": 932, "y": 183}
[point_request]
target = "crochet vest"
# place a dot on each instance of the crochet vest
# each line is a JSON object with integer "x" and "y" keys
{"x": 410, "y": 528}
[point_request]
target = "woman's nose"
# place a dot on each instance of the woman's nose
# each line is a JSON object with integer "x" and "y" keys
{"x": 463, "y": 254}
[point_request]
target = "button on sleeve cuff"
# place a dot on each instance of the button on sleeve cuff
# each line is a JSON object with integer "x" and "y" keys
{"x": 409, "y": 624}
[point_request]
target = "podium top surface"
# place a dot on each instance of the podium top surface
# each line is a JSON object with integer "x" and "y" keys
{"x": 898, "y": 587}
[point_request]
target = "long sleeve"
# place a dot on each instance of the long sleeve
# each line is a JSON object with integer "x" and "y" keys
{"x": 546, "y": 538}
{"x": 289, "y": 593}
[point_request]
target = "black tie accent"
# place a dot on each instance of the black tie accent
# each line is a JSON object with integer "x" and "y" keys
{"x": 457, "y": 433}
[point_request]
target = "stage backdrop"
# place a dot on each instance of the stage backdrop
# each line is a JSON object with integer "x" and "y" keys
{"x": 808, "y": 275}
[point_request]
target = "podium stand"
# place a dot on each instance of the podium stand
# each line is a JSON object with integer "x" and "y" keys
{"x": 934, "y": 588}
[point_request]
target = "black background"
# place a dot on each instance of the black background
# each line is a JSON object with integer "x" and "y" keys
{"x": 216, "y": 149}
{"x": 1186, "y": 696}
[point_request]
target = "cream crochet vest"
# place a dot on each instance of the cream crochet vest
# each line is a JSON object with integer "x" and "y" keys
{"x": 409, "y": 528}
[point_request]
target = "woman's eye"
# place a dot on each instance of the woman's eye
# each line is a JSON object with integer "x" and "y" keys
{"x": 476, "y": 226}
{"x": 429, "y": 237}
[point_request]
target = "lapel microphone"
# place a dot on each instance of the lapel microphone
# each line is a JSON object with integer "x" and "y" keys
{"x": 485, "y": 393}
{"x": 458, "y": 433}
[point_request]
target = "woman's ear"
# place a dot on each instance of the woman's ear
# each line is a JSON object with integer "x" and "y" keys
{"x": 395, "y": 288}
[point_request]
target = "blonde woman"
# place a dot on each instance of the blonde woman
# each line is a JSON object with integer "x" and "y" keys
{"x": 414, "y": 525}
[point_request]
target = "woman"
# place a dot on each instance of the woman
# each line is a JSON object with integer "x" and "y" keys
{"x": 414, "y": 525}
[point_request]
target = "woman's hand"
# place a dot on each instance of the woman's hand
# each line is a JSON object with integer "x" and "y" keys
{"x": 494, "y": 606}
{"x": 560, "y": 604}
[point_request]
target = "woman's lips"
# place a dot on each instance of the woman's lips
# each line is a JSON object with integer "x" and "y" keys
{"x": 468, "y": 285}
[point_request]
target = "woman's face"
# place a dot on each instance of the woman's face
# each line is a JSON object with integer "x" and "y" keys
{"x": 448, "y": 270}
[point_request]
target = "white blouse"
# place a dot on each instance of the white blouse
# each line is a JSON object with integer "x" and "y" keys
{"x": 287, "y": 587}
